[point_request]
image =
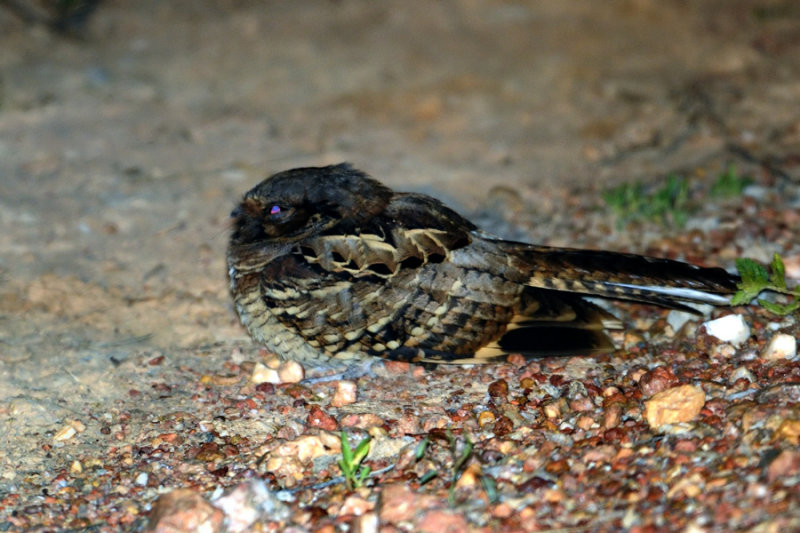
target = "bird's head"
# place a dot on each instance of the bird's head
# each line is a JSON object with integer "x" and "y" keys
{"x": 296, "y": 204}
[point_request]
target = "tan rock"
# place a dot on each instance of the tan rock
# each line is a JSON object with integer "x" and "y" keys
{"x": 678, "y": 404}
{"x": 291, "y": 372}
{"x": 789, "y": 430}
{"x": 439, "y": 521}
{"x": 400, "y": 504}
{"x": 184, "y": 510}
{"x": 345, "y": 393}
{"x": 264, "y": 374}
{"x": 290, "y": 458}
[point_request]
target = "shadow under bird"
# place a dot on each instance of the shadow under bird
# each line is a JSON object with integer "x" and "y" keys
{"x": 327, "y": 264}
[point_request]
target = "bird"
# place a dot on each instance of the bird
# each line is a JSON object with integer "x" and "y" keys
{"x": 328, "y": 265}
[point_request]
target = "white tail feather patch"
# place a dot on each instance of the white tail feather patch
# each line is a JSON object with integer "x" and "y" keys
{"x": 680, "y": 293}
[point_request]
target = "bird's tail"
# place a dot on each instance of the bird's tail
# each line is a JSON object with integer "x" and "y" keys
{"x": 662, "y": 282}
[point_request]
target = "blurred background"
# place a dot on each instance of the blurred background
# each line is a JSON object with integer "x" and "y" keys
{"x": 420, "y": 93}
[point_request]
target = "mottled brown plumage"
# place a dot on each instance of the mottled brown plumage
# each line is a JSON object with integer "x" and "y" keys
{"x": 328, "y": 264}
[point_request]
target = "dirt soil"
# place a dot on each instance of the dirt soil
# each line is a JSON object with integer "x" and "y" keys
{"x": 124, "y": 373}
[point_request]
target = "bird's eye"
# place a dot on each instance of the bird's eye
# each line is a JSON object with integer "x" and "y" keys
{"x": 280, "y": 213}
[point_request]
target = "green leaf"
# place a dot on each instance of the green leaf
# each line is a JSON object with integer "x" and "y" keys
{"x": 364, "y": 473}
{"x": 751, "y": 271}
{"x": 353, "y": 471}
{"x": 755, "y": 279}
{"x": 460, "y": 461}
{"x": 429, "y": 475}
{"x": 490, "y": 486}
{"x": 465, "y": 453}
{"x": 361, "y": 450}
{"x": 419, "y": 451}
{"x": 778, "y": 277}
{"x": 780, "y": 309}
{"x": 347, "y": 452}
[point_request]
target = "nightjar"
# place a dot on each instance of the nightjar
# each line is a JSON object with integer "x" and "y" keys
{"x": 328, "y": 264}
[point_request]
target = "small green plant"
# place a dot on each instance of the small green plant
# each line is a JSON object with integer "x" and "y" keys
{"x": 668, "y": 204}
{"x": 756, "y": 279}
{"x": 460, "y": 451}
{"x": 419, "y": 453}
{"x": 427, "y": 476}
{"x": 355, "y": 473}
{"x": 460, "y": 461}
{"x": 730, "y": 183}
{"x": 490, "y": 486}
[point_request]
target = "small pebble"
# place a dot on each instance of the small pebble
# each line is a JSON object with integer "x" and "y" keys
{"x": 677, "y": 319}
{"x": 785, "y": 465}
{"x": 486, "y": 418}
{"x": 248, "y": 503}
{"x": 690, "y": 486}
{"x": 656, "y": 380}
{"x": 730, "y": 328}
{"x": 65, "y": 433}
{"x": 789, "y": 430}
{"x": 271, "y": 360}
{"x": 357, "y": 504}
{"x": 437, "y": 521}
{"x": 291, "y": 372}
{"x": 320, "y": 419}
{"x": 345, "y": 393}
{"x": 780, "y": 346}
{"x": 237, "y": 355}
{"x": 184, "y": 510}
{"x": 399, "y": 503}
{"x": 678, "y": 404}
{"x": 554, "y": 408}
{"x": 632, "y": 339}
{"x": 585, "y": 422}
{"x": 291, "y": 457}
{"x": 366, "y": 523}
{"x": 723, "y": 351}
{"x": 741, "y": 373}
{"x": 264, "y": 374}
{"x": 471, "y": 476}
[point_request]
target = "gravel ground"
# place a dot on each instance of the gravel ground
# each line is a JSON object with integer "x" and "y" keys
{"x": 131, "y": 398}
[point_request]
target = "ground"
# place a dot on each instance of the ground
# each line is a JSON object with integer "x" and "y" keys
{"x": 124, "y": 373}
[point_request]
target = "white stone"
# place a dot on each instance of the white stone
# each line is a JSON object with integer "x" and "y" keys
{"x": 291, "y": 372}
{"x": 346, "y": 392}
{"x": 780, "y": 346}
{"x": 264, "y": 374}
{"x": 739, "y": 373}
{"x": 677, "y": 319}
{"x": 730, "y": 328}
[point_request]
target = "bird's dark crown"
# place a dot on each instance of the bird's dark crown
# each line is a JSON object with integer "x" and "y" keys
{"x": 301, "y": 202}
